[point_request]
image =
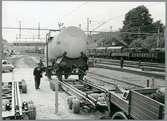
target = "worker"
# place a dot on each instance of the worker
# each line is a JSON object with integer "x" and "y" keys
{"x": 122, "y": 62}
{"x": 41, "y": 63}
{"x": 37, "y": 76}
{"x": 139, "y": 63}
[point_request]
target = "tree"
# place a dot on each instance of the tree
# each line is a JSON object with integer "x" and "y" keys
{"x": 136, "y": 20}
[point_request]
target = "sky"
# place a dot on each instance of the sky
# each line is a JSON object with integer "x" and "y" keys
{"x": 49, "y": 14}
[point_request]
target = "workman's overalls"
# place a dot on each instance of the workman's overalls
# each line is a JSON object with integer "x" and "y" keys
{"x": 37, "y": 76}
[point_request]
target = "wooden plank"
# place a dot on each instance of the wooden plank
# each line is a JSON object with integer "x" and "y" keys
{"x": 140, "y": 100}
{"x": 143, "y": 107}
{"x": 146, "y": 91}
{"x": 145, "y": 100}
{"x": 19, "y": 99}
{"x": 140, "y": 115}
{"x": 118, "y": 101}
{"x": 140, "y": 109}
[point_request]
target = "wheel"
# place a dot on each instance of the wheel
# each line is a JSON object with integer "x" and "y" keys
{"x": 76, "y": 105}
{"x": 32, "y": 111}
{"x": 69, "y": 101}
{"x": 24, "y": 87}
{"x": 11, "y": 70}
{"x": 119, "y": 115}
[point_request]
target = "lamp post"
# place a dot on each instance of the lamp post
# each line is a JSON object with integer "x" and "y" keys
{"x": 48, "y": 37}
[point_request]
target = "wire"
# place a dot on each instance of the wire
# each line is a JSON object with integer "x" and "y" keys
{"x": 115, "y": 18}
{"x": 105, "y": 22}
{"x": 140, "y": 33}
{"x": 74, "y": 10}
{"x": 43, "y": 29}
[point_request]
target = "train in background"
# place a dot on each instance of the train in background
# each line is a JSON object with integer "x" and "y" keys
{"x": 136, "y": 54}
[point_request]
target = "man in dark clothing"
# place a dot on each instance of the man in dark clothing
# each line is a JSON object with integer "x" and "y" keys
{"x": 121, "y": 62}
{"x": 37, "y": 76}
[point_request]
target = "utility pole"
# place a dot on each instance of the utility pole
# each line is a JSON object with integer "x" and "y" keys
{"x": 88, "y": 22}
{"x": 158, "y": 38}
{"x": 39, "y": 30}
{"x": 60, "y": 25}
{"x": 139, "y": 31}
{"x": 19, "y": 29}
{"x": 80, "y": 26}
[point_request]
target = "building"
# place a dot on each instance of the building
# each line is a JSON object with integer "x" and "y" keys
{"x": 29, "y": 46}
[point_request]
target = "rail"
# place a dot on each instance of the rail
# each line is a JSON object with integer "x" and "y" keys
{"x": 118, "y": 80}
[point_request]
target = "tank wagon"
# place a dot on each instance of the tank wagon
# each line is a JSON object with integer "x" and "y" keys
{"x": 66, "y": 53}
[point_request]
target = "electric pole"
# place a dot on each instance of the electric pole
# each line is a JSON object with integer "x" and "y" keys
{"x": 19, "y": 29}
{"x": 158, "y": 38}
{"x": 39, "y": 30}
{"x": 88, "y": 22}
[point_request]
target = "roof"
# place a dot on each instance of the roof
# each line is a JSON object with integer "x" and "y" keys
{"x": 100, "y": 48}
{"x": 115, "y": 47}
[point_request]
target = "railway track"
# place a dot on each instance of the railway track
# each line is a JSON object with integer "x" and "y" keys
{"x": 134, "y": 64}
{"x": 113, "y": 81}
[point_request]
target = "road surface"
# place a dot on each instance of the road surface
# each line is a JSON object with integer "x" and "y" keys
{"x": 44, "y": 98}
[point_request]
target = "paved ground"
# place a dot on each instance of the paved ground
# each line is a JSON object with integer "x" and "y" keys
{"x": 44, "y": 98}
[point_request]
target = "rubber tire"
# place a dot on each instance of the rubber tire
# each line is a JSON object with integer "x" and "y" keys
{"x": 69, "y": 101}
{"x": 32, "y": 111}
{"x": 24, "y": 87}
{"x": 119, "y": 115}
{"x": 76, "y": 106}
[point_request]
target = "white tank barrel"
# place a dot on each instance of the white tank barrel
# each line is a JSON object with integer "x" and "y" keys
{"x": 71, "y": 40}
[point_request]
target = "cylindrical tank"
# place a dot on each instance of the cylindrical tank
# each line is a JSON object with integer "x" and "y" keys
{"x": 71, "y": 40}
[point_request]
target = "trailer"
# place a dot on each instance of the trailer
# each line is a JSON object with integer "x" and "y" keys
{"x": 83, "y": 95}
{"x": 13, "y": 108}
{"x": 119, "y": 102}
{"x": 134, "y": 104}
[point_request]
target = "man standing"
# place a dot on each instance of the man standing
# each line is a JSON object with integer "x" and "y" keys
{"x": 37, "y": 76}
{"x": 122, "y": 62}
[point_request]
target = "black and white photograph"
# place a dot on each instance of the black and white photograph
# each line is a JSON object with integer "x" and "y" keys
{"x": 83, "y": 60}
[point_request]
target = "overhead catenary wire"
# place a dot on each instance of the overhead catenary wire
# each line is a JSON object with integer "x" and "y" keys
{"x": 113, "y": 19}
{"x": 72, "y": 11}
{"x": 47, "y": 29}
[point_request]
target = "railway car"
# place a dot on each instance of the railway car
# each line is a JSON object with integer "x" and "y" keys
{"x": 67, "y": 53}
{"x": 91, "y": 52}
{"x": 142, "y": 54}
{"x": 114, "y": 51}
{"x": 101, "y": 52}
